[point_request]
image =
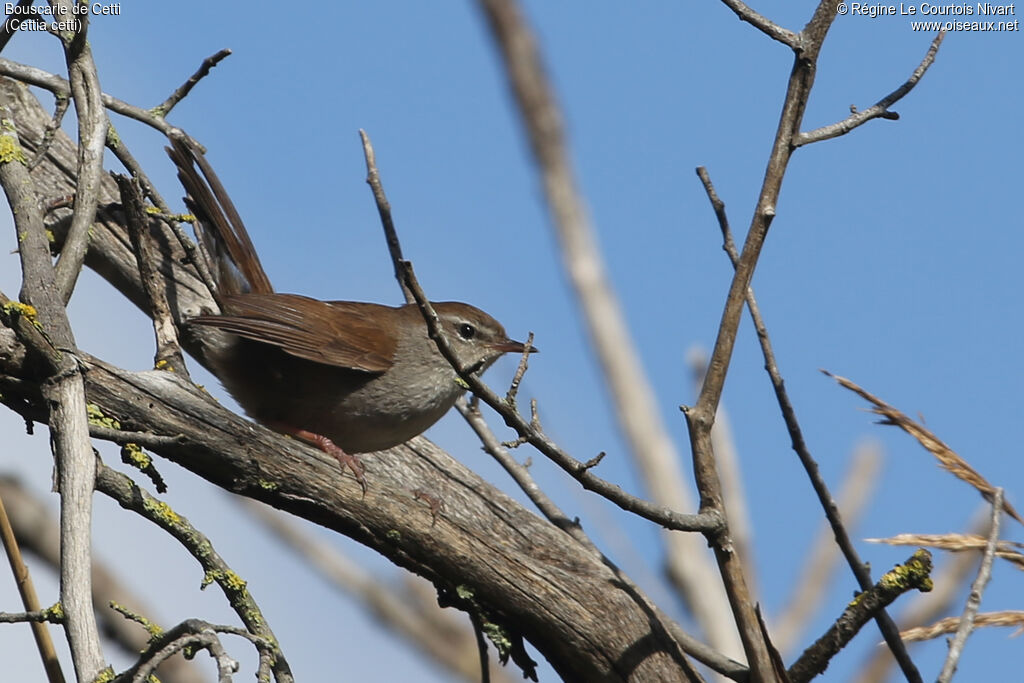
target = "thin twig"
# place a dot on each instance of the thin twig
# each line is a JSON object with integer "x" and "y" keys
{"x": 763, "y": 24}
{"x": 521, "y": 475}
{"x": 60, "y": 87}
{"x": 956, "y": 647}
{"x": 879, "y": 110}
{"x": 92, "y": 135}
{"x": 53, "y": 615}
{"x": 700, "y": 418}
{"x": 50, "y": 134}
{"x": 172, "y": 220}
{"x": 8, "y": 30}
{"x": 664, "y": 516}
{"x": 517, "y": 378}
{"x": 384, "y": 209}
{"x": 168, "y": 350}
{"x": 29, "y": 599}
{"x": 949, "y": 578}
{"x": 38, "y": 532}
{"x": 197, "y": 634}
{"x": 165, "y": 107}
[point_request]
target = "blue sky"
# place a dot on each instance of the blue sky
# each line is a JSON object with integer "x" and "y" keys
{"x": 893, "y": 260}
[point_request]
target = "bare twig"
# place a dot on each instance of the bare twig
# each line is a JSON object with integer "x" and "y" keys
{"x": 741, "y": 527}
{"x": 92, "y": 135}
{"x": 517, "y": 378}
{"x": 763, "y": 24}
{"x": 60, "y": 87}
{"x": 165, "y": 107}
{"x": 53, "y": 615}
{"x": 168, "y": 351}
{"x": 29, "y": 599}
{"x": 521, "y": 475}
{"x": 8, "y": 31}
{"x": 60, "y": 108}
{"x": 966, "y": 625}
{"x": 198, "y": 634}
{"x": 384, "y": 209}
{"x": 880, "y": 109}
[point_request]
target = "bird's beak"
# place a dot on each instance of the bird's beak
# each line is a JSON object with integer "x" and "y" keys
{"x": 512, "y": 346}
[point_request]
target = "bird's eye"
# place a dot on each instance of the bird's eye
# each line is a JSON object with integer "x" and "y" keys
{"x": 467, "y": 331}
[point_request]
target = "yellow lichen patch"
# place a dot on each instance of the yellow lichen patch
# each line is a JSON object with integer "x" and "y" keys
{"x": 234, "y": 581}
{"x": 54, "y": 614}
{"x": 163, "y": 511}
{"x": 24, "y": 310}
{"x": 105, "y": 676}
{"x": 10, "y": 150}
{"x": 152, "y": 629}
{"x": 97, "y": 417}
{"x": 499, "y": 636}
{"x": 228, "y": 579}
{"x": 133, "y": 453}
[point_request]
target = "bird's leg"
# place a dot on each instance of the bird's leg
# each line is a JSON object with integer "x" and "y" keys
{"x": 327, "y": 446}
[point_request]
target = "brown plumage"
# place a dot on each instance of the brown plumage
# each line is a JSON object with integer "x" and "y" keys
{"x": 348, "y": 376}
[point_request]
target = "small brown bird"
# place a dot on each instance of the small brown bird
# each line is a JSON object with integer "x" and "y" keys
{"x": 347, "y": 376}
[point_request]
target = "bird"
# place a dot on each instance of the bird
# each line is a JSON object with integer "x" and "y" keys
{"x": 349, "y": 377}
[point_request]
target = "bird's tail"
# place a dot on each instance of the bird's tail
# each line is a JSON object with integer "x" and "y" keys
{"x": 223, "y": 238}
